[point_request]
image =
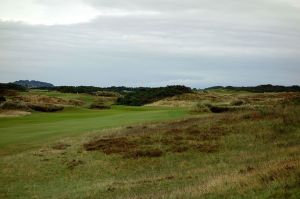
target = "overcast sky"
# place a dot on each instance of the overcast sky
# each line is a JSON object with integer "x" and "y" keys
{"x": 198, "y": 43}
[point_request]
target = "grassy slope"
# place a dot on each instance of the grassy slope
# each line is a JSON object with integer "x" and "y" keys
{"x": 24, "y": 132}
{"x": 258, "y": 157}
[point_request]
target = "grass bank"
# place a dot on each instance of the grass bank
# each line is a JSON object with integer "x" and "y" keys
{"x": 17, "y": 134}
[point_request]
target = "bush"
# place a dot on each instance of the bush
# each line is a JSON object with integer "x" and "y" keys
{"x": 18, "y": 105}
{"x": 144, "y": 96}
{"x": 45, "y": 107}
{"x": 11, "y": 86}
{"x": 218, "y": 109}
{"x": 201, "y": 107}
{"x": 76, "y": 102}
{"x": 107, "y": 94}
{"x": 100, "y": 104}
{"x": 237, "y": 103}
{"x": 2, "y": 99}
{"x": 207, "y": 107}
{"x": 9, "y": 105}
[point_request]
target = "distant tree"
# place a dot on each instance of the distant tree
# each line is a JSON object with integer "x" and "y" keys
{"x": 143, "y": 96}
{"x": 7, "y": 89}
{"x": 260, "y": 88}
{"x": 2, "y": 99}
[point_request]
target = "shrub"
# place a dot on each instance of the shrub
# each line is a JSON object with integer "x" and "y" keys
{"x": 142, "y": 96}
{"x": 76, "y": 102}
{"x": 11, "y": 86}
{"x": 201, "y": 107}
{"x": 45, "y": 107}
{"x": 237, "y": 102}
{"x": 9, "y": 105}
{"x": 218, "y": 109}
{"x": 100, "y": 104}
{"x": 107, "y": 94}
{"x": 2, "y": 99}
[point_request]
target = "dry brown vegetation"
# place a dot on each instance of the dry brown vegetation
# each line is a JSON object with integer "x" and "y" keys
{"x": 13, "y": 113}
{"x": 274, "y": 171}
{"x": 250, "y": 151}
{"x": 234, "y": 99}
{"x": 40, "y": 103}
{"x": 156, "y": 140}
{"x": 102, "y": 103}
{"x": 25, "y": 106}
{"x": 42, "y": 99}
{"x": 197, "y": 133}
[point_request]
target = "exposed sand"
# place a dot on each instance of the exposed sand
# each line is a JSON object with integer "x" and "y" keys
{"x": 13, "y": 113}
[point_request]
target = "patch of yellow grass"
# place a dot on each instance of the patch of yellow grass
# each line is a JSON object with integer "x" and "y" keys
{"x": 13, "y": 113}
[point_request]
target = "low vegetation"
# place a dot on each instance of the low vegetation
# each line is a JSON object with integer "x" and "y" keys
{"x": 33, "y": 84}
{"x": 2, "y": 99}
{"x": 259, "y": 89}
{"x": 10, "y": 105}
{"x": 222, "y": 145}
{"x": 144, "y": 96}
{"x": 45, "y": 107}
{"x": 101, "y": 103}
{"x": 10, "y": 86}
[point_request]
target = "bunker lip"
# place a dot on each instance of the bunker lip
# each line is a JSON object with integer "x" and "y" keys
{"x": 13, "y": 113}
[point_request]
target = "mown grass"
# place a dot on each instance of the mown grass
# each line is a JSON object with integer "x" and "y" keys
{"x": 17, "y": 134}
{"x": 244, "y": 154}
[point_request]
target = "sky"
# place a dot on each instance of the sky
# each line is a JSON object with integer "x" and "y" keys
{"x": 198, "y": 43}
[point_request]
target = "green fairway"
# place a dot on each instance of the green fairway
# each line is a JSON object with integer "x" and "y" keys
{"x": 25, "y": 132}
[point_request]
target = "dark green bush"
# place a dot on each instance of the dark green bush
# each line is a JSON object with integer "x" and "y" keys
{"x": 11, "y": 86}
{"x": 144, "y": 96}
{"x": 218, "y": 109}
{"x": 2, "y": 99}
{"x": 260, "y": 88}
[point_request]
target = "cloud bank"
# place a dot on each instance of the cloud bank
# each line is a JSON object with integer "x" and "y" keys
{"x": 150, "y": 43}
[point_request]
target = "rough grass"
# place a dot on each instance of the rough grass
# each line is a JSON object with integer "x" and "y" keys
{"x": 155, "y": 141}
{"x": 79, "y": 99}
{"x": 239, "y": 154}
{"x": 225, "y": 98}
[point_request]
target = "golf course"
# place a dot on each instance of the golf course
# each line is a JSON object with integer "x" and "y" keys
{"x": 25, "y": 132}
{"x": 201, "y": 144}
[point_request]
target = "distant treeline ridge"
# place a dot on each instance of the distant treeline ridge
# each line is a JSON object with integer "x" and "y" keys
{"x": 260, "y": 88}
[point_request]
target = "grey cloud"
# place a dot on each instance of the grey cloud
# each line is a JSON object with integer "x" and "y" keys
{"x": 195, "y": 42}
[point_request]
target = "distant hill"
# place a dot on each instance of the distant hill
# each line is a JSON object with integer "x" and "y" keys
{"x": 33, "y": 84}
